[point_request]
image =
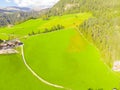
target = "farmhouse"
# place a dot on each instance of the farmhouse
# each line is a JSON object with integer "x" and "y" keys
{"x": 8, "y": 47}
{"x": 116, "y": 66}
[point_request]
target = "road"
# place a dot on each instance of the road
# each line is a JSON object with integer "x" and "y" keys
{"x": 37, "y": 76}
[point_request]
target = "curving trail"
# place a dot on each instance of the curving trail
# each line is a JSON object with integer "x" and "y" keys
{"x": 36, "y": 75}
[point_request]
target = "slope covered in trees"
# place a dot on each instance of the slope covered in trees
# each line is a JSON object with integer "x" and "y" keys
{"x": 16, "y": 17}
{"x": 12, "y": 18}
{"x": 103, "y": 29}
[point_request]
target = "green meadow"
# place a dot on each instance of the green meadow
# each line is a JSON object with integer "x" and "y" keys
{"x": 37, "y": 25}
{"x": 62, "y": 57}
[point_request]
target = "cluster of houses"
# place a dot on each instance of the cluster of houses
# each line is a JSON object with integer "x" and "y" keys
{"x": 7, "y": 47}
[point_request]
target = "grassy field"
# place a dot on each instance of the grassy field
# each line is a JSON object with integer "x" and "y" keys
{"x": 62, "y": 57}
{"x": 37, "y": 25}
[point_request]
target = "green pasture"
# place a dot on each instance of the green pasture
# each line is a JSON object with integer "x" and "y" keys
{"x": 61, "y": 57}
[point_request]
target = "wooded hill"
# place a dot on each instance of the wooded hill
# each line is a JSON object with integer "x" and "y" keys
{"x": 16, "y": 17}
{"x": 103, "y": 29}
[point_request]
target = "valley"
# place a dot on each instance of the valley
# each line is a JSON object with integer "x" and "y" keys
{"x": 62, "y": 57}
{"x": 67, "y": 45}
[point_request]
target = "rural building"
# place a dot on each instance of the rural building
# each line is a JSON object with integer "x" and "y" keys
{"x": 8, "y": 47}
{"x": 116, "y": 66}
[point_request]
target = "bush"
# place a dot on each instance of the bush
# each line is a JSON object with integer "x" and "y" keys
{"x": 1, "y": 40}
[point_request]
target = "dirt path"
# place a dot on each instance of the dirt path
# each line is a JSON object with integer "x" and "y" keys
{"x": 37, "y": 76}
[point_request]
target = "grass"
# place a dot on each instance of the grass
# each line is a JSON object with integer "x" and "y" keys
{"x": 62, "y": 57}
{"x": 77, "y": 68}
{"x": 15, "y": 76}
{"x": 37, "y": 25}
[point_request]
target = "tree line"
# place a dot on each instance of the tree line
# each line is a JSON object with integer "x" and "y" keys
{"x": 46, "y": 30}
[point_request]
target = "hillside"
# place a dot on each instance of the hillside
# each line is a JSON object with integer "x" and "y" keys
{"x": 59, "y": 56}
{"x": 9, "y": 17}
{"x": 40, "y": 25}
{"x": 93, "y": 6}
{"x": 66, "y": 63}
{"x": 102, "y": 29}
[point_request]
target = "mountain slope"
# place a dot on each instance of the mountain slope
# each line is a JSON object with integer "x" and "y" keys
{"x": 103, "y": 29}
{"x": 41, "y": 25}
{"x": 65, "y": 58}
{"x": 76, "y": 6}
{"x": 60, "y": 60}
{"x": 62, "y": 57}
